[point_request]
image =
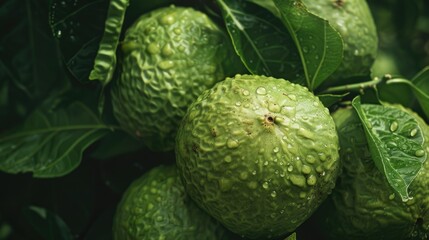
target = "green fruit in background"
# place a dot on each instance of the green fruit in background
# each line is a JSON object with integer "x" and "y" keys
{"x": 170, "y": 56}
{"x": 363, "y": 205}
{"x": 155, "y": 206}
{"x": 353, "y": 20}
{"x": 258, "y": 153}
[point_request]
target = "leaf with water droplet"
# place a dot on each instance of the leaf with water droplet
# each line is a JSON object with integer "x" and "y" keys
{"x": 80, "y": 24}
{"x": 401, "y": 164}
{"x": 308, "y": 30}
{"x": 51, "y": 141}
{"x": 261, "y": 40}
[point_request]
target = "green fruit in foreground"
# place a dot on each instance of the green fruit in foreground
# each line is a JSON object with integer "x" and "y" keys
{"x": 170, "y": 56}
{"x": 363, "y": 205}
{"x": 353, "y": 20}
{"x": 258, "y": 153}
{"x": 155, "y": 206}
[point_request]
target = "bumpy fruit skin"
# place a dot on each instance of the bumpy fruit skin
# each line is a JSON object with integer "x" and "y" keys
{"x": 170, "y": 56}
{"x": 155, "y": 206}
{"x": 363, "y": 205}
{"x": 353, "y": 20}
{"x": 258, "y": 153}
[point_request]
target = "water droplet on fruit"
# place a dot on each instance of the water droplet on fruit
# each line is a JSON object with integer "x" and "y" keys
{"x": 273, "y": 194}
{"x": 265, "y": 185}
{"x": 276, "y": 149}
{"x": 394, "y": 126}
{"x": 392, "y": 196}
{"x": 238, "y": 104}
{"x": 177, "y": 31}
{"x": 228, "y": 159}
{"x": 261, "y": 91}
{"x": 246, "y": 93}
{"x": 413, "y": 132}
{"x": 265, "y": 163}
{"x": 420, "y": 153}
{"x": 231, "y": 143}
{"x": 167, "y": 20}
{"x": 290, "y": 168}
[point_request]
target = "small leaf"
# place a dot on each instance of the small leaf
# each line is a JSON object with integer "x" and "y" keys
{"x": 420, "y": 87}
{"x": 261, "y": 40}
{"x": 330, "y": 99}
{"x": 105, "y": 61}
{"x": 49, "y": 225}
{"x": 291, "y": 237}
{"x": 319, "y": 45}
{"x": 395, "y": 140}
{"x": 51, "y": 142}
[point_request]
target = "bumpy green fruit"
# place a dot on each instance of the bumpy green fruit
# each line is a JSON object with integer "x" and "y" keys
{"x": 170, "y": 56}
{"x": 258, "y": 153}
{"x": 155, "y": 206}
{"x": 363, "y": 205}
{"x": 353, "y": 20}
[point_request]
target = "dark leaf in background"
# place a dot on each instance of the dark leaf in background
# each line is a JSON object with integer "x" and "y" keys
{"x": 51, "y": 142}
{"x": 261, "y": 40}
{"x": 330, "y": 99}
{"x": 320, "y": 46}
{"x": 49, "y": 225}
{"x": 395, "y": 140}
{"x": 78, "y": 25}
{"x": 30, "y": 66}
{"x": 115, "y": 144}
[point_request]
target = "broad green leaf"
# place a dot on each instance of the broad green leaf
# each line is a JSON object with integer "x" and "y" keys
{"x": 105, "y": 61}
{"x": 269, "y": 5}
{"x": 261, "y": 40}
{"x": 51, "y": 142}
{"x": 49, "y": 225}
{"x": 395, "y": 140}
{"x": 78, "y": 26}
{"x": 319, "y": 45}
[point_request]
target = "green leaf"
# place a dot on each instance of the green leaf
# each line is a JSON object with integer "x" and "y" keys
{"x": 47, "y": 224}
{"x": 51, "y": 142}
{"x": 78, "y": 26}
{"x": 115, "y": 144}
{"x": 319, "y": 45}
{"x": 395, "y": 140}
{"x": 261, "y": 40}
{"x": 269, "y": 5}
{"x": 291, "y": 237}
{"x": 30, "y": 66}
{"x": 330, "y": 99}
{"x": 105, "y": 61}
{"x": 420, "y": 87}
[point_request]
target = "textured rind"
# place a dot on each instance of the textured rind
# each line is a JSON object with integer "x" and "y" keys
{"x": 258, "y": 153}
{"x": 170, "y": 56}
{"x": 353, "y": 20}
{"x": 363, "y": 205}
{"x": 155, "y": 206}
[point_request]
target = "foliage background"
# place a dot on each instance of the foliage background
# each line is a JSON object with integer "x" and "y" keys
{"x": 44, "y": 64}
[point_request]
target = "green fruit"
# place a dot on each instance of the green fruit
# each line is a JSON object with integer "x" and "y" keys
{"x": 155, "y": 206}
{"x": 363, "y": 205}
{"x": 170, "y": 56}
{"x": 353, "y": 20}
{"x": 258, "y": 153}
